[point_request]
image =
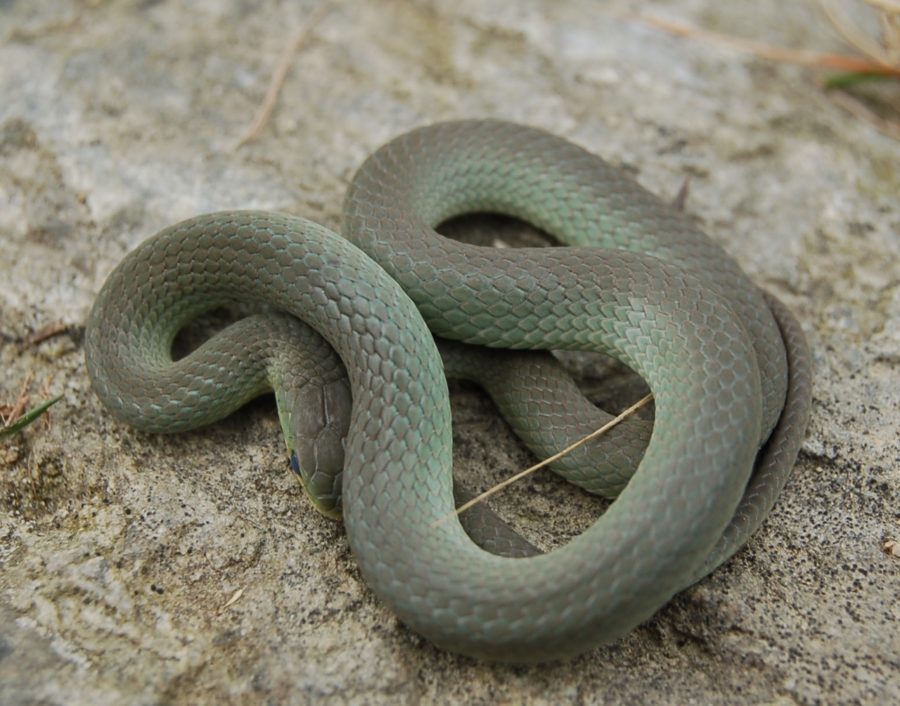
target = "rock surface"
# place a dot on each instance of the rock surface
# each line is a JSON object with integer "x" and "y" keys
{"x": 189, "y": 569}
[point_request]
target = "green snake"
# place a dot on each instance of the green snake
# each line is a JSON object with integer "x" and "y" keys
{"x": 368, "y": 428}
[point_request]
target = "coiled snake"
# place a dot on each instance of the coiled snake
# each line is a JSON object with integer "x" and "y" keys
{"x": 727, "y": 364}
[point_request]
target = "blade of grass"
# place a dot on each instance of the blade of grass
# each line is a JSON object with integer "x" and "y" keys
{"x": 853, "y": 79}
{"x": 29, "y": 417}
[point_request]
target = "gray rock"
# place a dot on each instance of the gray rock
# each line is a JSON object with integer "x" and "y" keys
{"x": 149, "y": 570}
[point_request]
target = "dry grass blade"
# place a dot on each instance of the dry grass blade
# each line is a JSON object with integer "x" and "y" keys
{"x": 9, "y": 414}
{"x": 855, "y": 107}
{"x": 885, "y": 53}
{"x": 531, "y": 469}
{"x": 271, "y": 98}
{"x": 840, "y": 62}
{"x": 880, "y": 61}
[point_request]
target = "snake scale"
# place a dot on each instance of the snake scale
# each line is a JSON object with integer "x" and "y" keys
{"x": 368, "y": 428}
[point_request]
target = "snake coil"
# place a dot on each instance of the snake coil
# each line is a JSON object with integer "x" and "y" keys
{"x": 727, "y": 364}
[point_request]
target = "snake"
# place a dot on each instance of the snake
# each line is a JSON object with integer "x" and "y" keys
{"x": 356, "y": 334}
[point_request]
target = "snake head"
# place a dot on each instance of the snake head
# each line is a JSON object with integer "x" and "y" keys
{"x": 315, "y": 419}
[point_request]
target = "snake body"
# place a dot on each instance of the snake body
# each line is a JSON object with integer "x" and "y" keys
{"x": 727, "y": 364}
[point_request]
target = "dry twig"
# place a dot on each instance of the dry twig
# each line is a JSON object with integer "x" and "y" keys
{"x": 45, "y": 332}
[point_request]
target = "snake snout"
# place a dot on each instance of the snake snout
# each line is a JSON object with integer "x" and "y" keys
{"x": 316, "y": 418}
